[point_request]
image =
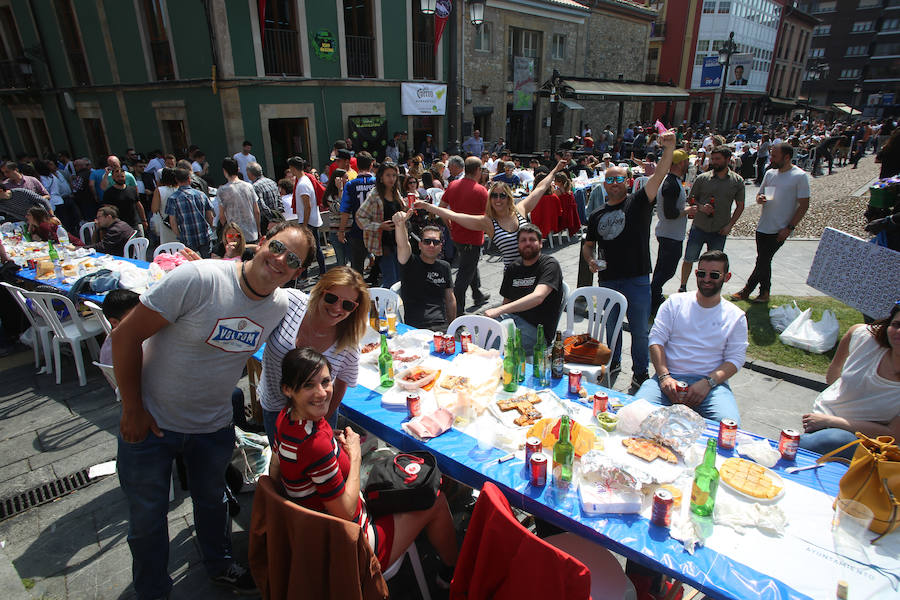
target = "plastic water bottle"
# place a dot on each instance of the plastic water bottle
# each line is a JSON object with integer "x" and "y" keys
{"x": 62, "y": 235}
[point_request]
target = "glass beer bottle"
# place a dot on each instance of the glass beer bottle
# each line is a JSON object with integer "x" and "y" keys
{"x": 385, "y": 364}
{"x": 520, "y": 355}
{"x": 537, "y": 359}
{"x": 557, "y": 358}
{"x": 510, "y": 364}
{"x": 563, "y": 456}
{"x": 706, "y": 482}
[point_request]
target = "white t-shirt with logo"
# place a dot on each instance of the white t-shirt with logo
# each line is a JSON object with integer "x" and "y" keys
{"x": 192, "y": 365}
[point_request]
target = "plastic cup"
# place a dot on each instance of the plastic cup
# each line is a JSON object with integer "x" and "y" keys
{"x": 769, "y": 192}
{"x": 850, "y": 527}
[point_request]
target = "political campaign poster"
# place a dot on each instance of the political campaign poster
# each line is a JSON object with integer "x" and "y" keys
{"x": 711, "y": 74}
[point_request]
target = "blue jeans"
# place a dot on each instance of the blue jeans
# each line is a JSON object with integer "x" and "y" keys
{"x": 824, "y": 441}
{"x": 390, "y": 268}
{"x": 696, "y": 238}
{"x": 529, "y": 331}
{"x": 145, "y": 470}
{"x": 667, "y": 256}
{"x": 320, "y": 256}
{"x": 341, "y": 250}
{"x": 719, "y": 403}
{"x": 637, "y": 291}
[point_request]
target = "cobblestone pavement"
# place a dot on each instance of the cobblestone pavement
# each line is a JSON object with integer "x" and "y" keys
{"x": 830, "y": 204}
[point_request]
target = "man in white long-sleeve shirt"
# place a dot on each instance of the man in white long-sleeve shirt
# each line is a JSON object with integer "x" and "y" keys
{"x": 701, "y": 339}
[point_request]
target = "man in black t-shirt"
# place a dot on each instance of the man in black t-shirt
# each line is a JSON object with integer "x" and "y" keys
{"x": 531, "y": 289}
{"x": 427, "y": 285}
{"x": 621, "y": 231}
{"x": 125, "y": 199}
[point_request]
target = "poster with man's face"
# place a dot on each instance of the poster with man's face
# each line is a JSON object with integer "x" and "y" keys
{"x": 739, "y": 70}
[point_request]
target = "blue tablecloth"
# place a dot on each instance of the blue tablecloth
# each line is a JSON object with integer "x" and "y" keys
{"x": 629, "y": 535}
{"x": 65, "y": 288}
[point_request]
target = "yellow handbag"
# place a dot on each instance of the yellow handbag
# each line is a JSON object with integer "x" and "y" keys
{"x": 872, "y": 478}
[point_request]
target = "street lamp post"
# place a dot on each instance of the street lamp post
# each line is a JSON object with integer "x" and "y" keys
{"x": 728, "y": 48}
{"x": 857, "y": 95}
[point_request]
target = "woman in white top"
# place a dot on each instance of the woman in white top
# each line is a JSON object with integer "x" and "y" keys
{"x": 331, "y": 320}
{"x": 864, "y": 390}
{"x": 167, "y": 186}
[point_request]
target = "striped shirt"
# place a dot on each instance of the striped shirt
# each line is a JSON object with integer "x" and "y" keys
{"x": 313, "y": 467}
{"x": 507, "y": 242}
{"x": 344, "y": 365}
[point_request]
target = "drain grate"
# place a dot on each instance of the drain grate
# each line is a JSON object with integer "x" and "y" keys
{"x": 42, "y": 494}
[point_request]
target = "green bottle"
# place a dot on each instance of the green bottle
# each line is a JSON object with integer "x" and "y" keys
{"x": 537, "y": 358}
{"x": 54, "y": 255}
{"x": 510, "y": 364}
{"x": 706, "y": 482}
{"x": 520, "y": 355}
{"x": 26, "y": 235}
{"x": 385, "y": 364}
{"x": 563, "y": 456}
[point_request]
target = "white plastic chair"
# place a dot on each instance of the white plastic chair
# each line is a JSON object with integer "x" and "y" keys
{"x": 416, "y": 563}
{"x": 98, "y": 312}
{"x": 110, "y": 374}
{"x": 387, "y": 298}
{"x": 600, "y": 303}
{"x": 87, "y": 227}
{"x": 40, "y": 326}
{"x": 136, "y": 248}
{"x": 608, "y": 579}
{"x": 171, "y": 248}
{"x": 73, "y": 331}
{"x": 485, "y": 330}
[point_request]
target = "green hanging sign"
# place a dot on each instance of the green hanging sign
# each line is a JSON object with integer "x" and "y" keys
{"x": 324, "y": 45}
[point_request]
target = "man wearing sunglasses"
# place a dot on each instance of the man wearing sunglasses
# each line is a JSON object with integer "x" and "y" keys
{"x": 178, "y": 356}
{"x": 620, "y": 230}
{"x": 426, "y": 282}
{"x": 701, "y": 339}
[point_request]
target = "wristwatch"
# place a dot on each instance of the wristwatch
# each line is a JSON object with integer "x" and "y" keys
{"x": 712, "y": 382}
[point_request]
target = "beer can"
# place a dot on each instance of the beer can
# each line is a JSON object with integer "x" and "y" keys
{"x": 533, "y": 446}
{"x": 449, "y": 345}
{"x": 601, "y": 402}
{"x": 788, "y": 444}
{"x": 727, "y": 434}
{"x": 682, "y": 388}
{"x": 464, "y": 340}
{"x": 413, "y": 404}
{"x": 438, "y": 343}
{"x": 411, "y": 199}
{"x": 538, "y": 469}
{"x": 32, "y": 264}
{"x": 663, "y": 506}
{"x": 574, "y": 381}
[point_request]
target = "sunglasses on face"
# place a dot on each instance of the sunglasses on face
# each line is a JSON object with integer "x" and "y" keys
{"x": 348, "y": 305}
{"x": 616, "y": 179}
{"x": 714, "y": 275}
{"x": 498, "y": 195}
{"x": 232, "y": 236}
{"x": 431, "y": 242}
{"x": 278, "y": 248}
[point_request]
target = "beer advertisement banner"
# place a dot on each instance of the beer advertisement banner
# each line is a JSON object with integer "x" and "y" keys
{"x": 523, "y": 83}
{"x": 423, "y": 98}
{"x": 370, "y": 134}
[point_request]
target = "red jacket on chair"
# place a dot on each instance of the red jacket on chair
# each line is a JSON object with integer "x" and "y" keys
{"x": 502, "y": 560}
{"x": 547, "y": 213}
{"x": 569, "y": 219}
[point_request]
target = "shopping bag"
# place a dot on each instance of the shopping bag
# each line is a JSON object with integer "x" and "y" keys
{"x": 784, "y": 315}
{"x": 812, "y": 336}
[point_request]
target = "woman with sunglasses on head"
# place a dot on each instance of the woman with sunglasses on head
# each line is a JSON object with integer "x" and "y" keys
{"x": 330, "y": 320}
{"x": 864, "y": 390}
{"x": 502, "y": 216}
{"x": 320, "y": 468}
{"x": 374, "y": 218}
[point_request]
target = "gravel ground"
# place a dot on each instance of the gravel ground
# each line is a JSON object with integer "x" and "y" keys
{"x": 830, "y": 203}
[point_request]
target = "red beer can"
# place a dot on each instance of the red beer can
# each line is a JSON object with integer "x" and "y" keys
{"x": 663, "y": 505}
{"x": 465, "y": 339}
{"x": 438, "y": 343}
{"x": 538, "y": 469}
{"x": 601, "y": 402}
{"x": 533, "y": 446}
{"x": 682, "y": 389}
{"x": 449, "y": 345}
{"x": 788, "y": 444}
{"x": 32, "y": 264}
{"x": 574, "y": 381}
{"x": 727, "y": 434}
{"x": 411, "y": 199}
{"x": 413, "y": 404}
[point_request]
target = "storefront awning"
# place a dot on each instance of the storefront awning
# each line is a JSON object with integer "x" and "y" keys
{"x": 846, "y": 109}
{"x": 782, "y": 103}
{"x": 614, "y": 91}
{"x": 570, "y": 104}
{"x": 481, "y": 111}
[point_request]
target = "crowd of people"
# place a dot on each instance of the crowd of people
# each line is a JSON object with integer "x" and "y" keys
{"x": 411, "y": 219}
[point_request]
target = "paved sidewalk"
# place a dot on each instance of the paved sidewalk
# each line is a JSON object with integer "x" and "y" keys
{"x": 75, "y": 547}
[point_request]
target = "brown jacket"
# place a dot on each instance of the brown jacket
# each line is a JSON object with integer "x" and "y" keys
{"x": 299, "y": 553}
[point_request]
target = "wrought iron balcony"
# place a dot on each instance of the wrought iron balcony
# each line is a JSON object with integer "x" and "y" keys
{"x": 423, "y": 60}
{"x": 16, "y": 74}
{"x": 360, "y": 55}
{"x": 281, "y": 52}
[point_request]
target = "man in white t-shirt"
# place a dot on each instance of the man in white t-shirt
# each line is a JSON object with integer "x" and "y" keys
{"x": 780, "y": 216}
{"x": 700, "y": 339}
{"x": 306, "y": 205}
{"x": 244, "y": 158}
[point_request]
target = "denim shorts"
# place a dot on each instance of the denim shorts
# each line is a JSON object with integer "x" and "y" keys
{"x": 697, "y": 238}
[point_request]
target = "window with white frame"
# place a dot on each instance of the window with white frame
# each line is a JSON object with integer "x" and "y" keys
{"x": 709, "y": 7}
{"x": 816, "y": 52}
{"x": 822, "y": 30}
{"x": 483, "y": 37}
{"x": 702, "y": 45}
{"x": 724, "y": 8}
{"x": 861, "y": 27}
{"x": 890, "y": 25}
{"x": 850, "y": 73}
{"x": 559, "y": 46}
{"x": 857, "y": 50}
{"x": 821, "y": 7}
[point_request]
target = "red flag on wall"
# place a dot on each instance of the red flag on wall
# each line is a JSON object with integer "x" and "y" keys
{"x": 441, "y": 14}
{"x": 262, "y": 23}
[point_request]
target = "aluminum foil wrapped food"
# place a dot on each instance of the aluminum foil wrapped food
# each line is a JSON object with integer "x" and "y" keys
{"x": 597, "y": 467}
{"x": 677, "y": 427}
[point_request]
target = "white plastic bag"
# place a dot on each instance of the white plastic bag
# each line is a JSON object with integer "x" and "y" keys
{"x": 784, "y": 315}
{"x": 813, "y": 336}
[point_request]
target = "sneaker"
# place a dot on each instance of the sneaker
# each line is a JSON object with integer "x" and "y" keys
{"x": 741, "y": 295}
{"x": 238, "y": 579}
{"x": 682, "y": 289}
{"x": 636, "y": 381}
{"x": 482, "y": 299}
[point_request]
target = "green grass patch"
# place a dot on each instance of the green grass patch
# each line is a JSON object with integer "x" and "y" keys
{"x": 28, "y": 583}
{"x": 765, "y": 344}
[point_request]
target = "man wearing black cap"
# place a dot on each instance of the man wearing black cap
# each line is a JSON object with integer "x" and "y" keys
{"x": 343, "y": 159}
